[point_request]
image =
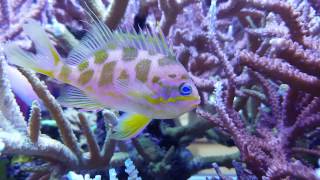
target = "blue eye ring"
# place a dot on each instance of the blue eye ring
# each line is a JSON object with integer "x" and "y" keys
{"x": 185, "y": 89}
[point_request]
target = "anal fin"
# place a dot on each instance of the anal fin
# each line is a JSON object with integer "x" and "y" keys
{"x": 74, "y": 97}
{"x": 129, "y": 126}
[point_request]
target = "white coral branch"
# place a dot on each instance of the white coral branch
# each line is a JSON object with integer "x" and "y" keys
{"x": 8, "y": 105}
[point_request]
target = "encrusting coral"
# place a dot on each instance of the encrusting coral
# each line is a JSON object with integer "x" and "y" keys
{"x": 255, "y": 64}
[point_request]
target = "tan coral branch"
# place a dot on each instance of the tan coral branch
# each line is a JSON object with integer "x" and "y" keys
{"x": 109, "y": 144}
{"x": 170, "y": 10}
{"x": 92, "y": 144}
{"x": 34, "y": 122}
{"x": 55, "y": 110}
{"x": 115, "y": 12}
{"x": 48, "y": 148}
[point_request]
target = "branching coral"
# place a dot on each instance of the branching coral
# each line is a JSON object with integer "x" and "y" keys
{"x": 170, "y": 11}
{"x": 266, "y": 152}
{"x": 268, "y": 148}
{"x": 270, "y": 38}
{"x": 255, "y": 63}
{"x": 60, "y": 157}
{"x": 13, "y": 15}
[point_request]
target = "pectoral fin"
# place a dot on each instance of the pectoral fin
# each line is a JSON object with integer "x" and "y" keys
{"x": 73, "y": 97}
{"x": 130, "y": 125}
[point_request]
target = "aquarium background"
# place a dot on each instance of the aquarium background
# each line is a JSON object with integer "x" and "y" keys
{"x": 255, "y": 63}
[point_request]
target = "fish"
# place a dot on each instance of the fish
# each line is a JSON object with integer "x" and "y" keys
{"x": 136, "y": 73}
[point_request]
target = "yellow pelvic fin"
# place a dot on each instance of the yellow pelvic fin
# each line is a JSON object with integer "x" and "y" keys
{"x": 130, "y": 125}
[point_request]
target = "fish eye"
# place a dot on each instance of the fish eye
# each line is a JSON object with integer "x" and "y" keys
{"x": 185, "y": 89}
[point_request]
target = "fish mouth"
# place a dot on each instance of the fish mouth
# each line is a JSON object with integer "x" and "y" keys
{"x": 194, "y": 106}
{"x": 196, "y": 103}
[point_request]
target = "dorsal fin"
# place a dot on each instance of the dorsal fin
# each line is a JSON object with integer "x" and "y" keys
{"x": 100, "y": 36}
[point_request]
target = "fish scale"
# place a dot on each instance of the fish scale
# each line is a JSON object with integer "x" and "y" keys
{"x": 127, "y": 71}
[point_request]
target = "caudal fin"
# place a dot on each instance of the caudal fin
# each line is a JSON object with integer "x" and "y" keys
{"x": 46, "y": 57}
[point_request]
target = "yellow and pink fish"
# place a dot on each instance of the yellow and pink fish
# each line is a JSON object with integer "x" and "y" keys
{"x": 135, "y": 73}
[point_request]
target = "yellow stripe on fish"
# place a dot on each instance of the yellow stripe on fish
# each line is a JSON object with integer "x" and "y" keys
{"x": 161, "y": 100}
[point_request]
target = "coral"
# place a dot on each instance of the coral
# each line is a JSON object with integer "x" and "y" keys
{"x": 268, "y": 147}
{"x": 170, "y": 11}
{"x": 255, "y": 64}
{"x": 112, "y": 174}
{"x": 131, "y": 170}
{"x": 13, "y": 15}
{"x": 73, "y": 176}
{"x": 60, "y": 157}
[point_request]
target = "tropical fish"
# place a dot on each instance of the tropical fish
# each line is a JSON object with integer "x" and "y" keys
{"x": 127, "y": 71}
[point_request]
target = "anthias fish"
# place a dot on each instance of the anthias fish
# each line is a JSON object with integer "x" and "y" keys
{"x": 126, "y": 71}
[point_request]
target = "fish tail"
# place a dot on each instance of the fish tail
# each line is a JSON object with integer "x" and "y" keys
{"x": 46, "y": 58}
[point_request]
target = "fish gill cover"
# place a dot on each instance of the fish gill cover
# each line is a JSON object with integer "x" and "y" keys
{"x": 255, "y": 64}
